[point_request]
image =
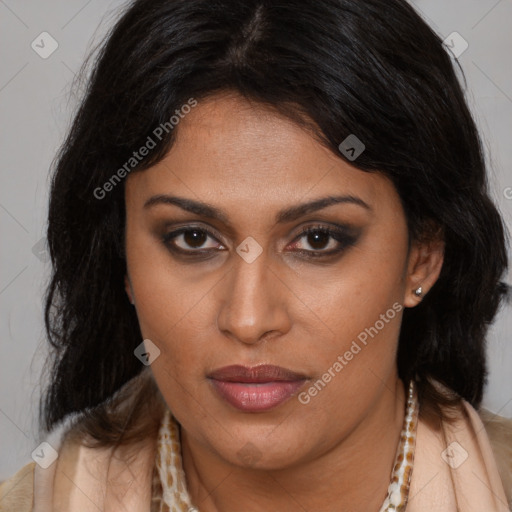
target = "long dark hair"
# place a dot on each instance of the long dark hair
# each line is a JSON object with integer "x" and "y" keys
{"x": 372, "y": 68}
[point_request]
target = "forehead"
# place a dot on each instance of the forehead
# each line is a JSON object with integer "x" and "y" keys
{"x": 244, "y": 155}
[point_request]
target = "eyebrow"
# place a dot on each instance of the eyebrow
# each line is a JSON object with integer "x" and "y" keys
{"x": 288, "y": 214}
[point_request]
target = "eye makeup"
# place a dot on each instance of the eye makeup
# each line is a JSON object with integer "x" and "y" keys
{"x": 199, "y": 242}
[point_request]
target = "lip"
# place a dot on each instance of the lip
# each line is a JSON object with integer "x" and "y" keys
{"x": 256, "y": 389}
{"x": 255, "y": 374}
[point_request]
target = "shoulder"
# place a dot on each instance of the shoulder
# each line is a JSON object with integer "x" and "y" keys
{"x": 487, "y": 434}
{"x": 83, "y": 478}
{"x": 34, "y": 484}
{"x": 499, "y": 431}
{"x": 492, "y": 435}
{"x": 16, "y": 493}
{"x": 87, "y": 474}
{"x": 459, "y": 462}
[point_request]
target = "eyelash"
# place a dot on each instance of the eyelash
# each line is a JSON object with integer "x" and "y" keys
{"x": 344, "y": 238}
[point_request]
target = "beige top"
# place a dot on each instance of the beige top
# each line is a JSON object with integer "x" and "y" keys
{"x": 455, "y": 470}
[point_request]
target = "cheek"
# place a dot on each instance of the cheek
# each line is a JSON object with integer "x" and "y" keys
{"x": 172, "y": 313}
{"x": 365, "y": 284}
{"x": 169, "y": 305}
{"x": 361, "y": 317}
{"x": 360, "y": 307}
{"x": 356, "y": 354}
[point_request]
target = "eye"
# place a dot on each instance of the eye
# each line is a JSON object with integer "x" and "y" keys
{"x": 317, "y": 240}
{"x": 191, "y": 240}
{"x": 323, "y": 240}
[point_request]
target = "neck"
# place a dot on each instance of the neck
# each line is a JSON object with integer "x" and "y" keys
{"x": 353, "y": 475}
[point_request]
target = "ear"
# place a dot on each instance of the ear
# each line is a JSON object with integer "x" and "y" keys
{"x": 425, "y": 262}
{"x": 128, "y": 288}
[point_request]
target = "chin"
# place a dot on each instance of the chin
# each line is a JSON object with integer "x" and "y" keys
{"x": 275, "y": 452}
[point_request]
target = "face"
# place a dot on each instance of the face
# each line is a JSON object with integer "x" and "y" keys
{"x": 243, "y": 273}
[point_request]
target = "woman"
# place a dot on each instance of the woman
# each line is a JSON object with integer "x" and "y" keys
{"x": 275, "y": 261}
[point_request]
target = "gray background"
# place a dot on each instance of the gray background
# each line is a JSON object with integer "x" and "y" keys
{"x": 36, "y": 107}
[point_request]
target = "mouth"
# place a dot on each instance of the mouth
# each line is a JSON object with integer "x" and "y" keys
{"x": 256, "y": 389}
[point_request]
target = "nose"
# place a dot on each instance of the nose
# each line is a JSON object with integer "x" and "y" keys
{"x": 254, "y": 302}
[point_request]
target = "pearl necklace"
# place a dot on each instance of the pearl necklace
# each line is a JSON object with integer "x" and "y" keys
{"x": 169, "y": 490}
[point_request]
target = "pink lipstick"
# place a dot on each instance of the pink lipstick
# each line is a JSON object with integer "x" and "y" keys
{"x": 256, "y": 389}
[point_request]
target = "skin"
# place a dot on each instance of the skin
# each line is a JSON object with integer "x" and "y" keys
{"x": 337, "y": 451}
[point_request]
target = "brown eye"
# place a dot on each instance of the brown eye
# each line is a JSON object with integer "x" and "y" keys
{"x": 194, "y": 238}
{"x": 190, "y": 240}
{"x": 316, "y": 241}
